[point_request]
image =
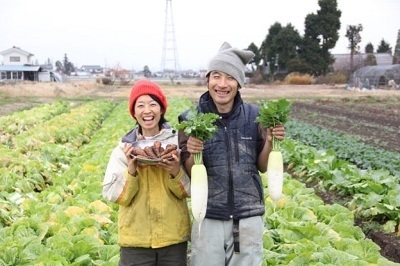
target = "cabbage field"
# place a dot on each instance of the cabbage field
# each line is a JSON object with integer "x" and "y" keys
{"x": 338, "y": 188}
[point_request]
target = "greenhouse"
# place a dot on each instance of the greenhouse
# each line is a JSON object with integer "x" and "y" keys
{"x": 376, "y": 76}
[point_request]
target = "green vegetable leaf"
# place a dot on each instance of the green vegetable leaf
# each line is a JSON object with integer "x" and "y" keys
{"x": 274, "y": 113}
{"x": 199, "y": 125}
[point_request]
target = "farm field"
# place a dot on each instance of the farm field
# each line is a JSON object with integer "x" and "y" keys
{"x": 372, "y": 118}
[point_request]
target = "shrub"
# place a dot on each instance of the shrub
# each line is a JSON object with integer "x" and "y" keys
{"x": 124, "y": 82}
{"x": 257, "y": 78}
{"x": 332, "y": 79}
{"x": 107, "y": 81}
{"x": 200, "y": 83}
{"x": 296, "y": 78}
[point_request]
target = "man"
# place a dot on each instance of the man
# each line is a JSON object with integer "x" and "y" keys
{"x": 231, "y": 233}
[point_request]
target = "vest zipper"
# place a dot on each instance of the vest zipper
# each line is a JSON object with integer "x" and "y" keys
{"x": 230, "y": 177}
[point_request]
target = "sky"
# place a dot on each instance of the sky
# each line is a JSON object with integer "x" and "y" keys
{"x": 130, "y": 33}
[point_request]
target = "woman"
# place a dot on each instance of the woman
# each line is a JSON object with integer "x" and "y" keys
{"x": 153, "y": 220}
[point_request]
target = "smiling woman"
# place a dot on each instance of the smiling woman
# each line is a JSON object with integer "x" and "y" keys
{"x": 149, "y": 192}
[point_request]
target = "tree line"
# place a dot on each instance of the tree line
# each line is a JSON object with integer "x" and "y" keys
{"x": 284, "y": 50}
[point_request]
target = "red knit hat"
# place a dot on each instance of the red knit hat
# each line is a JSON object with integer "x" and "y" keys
{"x": 146, "y": 87}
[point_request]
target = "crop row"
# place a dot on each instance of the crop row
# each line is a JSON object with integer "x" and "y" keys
{"x": 69, "y": 223}
{"x": 302, "y": 230}
{"x": 33, "y": 157}
{"x": 66, "y": 224}
{"x": 367, "y": 121}
{"x": 374, "y": 195}
{"x": 346, "y": 147}
{"x": 373, "y": 192}
{"x": 21, "y": 121}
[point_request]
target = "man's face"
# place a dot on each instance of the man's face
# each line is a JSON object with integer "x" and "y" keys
{"x": 223, "y": 89}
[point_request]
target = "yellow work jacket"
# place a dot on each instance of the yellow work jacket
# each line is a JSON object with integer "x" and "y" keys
{"x": 153, "y": 207}
{"x": 153, "y": 211}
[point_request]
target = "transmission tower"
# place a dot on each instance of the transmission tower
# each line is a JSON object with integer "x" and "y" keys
{"x": 169, "y": 63}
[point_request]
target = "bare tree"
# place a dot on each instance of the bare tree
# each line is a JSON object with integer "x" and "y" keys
{"x": 353, "y": 34}
{"x": 118, "y": 73}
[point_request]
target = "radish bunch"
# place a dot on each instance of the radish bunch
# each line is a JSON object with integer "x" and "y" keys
{"x": 271, "y": 114}
{"x": 201, "y": 126}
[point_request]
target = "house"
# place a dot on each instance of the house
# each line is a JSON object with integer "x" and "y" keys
{"x": 17, "y": 66}
{"x": 19, "y": 73}
{"x": 15, "y": 56}
{"x": 92, "y": 69}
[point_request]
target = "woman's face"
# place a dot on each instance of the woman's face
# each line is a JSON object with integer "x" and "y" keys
{"x": 148, "y": 114}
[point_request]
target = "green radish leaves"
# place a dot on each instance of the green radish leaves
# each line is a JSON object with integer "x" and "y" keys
{"x": 199, "y": 125}
{"x": 274, "y": 113}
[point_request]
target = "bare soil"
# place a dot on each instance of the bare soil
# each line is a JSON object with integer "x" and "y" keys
{"x": 373, "y": 116}
{"x": 376, "y": 122}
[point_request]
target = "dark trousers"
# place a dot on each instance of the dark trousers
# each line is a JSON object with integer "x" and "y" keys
{"x": 174, "y": 255}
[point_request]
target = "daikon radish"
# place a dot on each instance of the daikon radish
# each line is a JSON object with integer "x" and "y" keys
{"x": 275, "y": 175}
{"x": 203, "y": 127}
{"x": 273, "y": 114}
{"x": 199, "y": 190}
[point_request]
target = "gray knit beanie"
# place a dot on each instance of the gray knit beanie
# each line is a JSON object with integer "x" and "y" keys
{"x": 231, "y": 61}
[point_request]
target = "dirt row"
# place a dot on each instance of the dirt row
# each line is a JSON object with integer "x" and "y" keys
{"x": 376, "y": 124}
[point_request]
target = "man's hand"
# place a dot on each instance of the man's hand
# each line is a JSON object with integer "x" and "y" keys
{"x": 278, "y": 132}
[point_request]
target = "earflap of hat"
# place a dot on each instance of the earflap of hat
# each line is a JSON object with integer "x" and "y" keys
{"x": 244, "y": 55}
{"x": 224, "y": 46}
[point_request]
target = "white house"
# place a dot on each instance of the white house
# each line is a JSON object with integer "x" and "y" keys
{"x": 15, "y": 56}
{"x": 17, "y": 66}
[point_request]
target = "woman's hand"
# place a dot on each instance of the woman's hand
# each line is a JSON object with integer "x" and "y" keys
{"x": 172, "y": 165}
{"x": 132, "y": 163}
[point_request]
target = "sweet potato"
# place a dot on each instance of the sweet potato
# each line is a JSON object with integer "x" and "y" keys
{"x": 138, "y": 151}
{"x": 150, "y": 153}
{"x": 156, "y": 151}
{"x": 157, "y": 148}
{"x": 168, "y": 149}
{"x": 169, "y": 155}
